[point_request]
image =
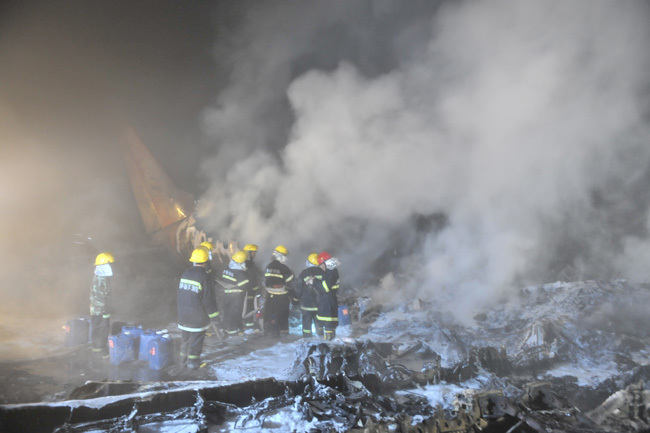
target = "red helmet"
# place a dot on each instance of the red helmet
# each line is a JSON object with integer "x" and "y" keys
{"x": 324, "y": 256}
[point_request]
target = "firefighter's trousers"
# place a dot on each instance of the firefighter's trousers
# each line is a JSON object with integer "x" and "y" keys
{"x": 309, "y": 317}
{"x": 233, "y": 304}
{"x": 191, "y": 346}
{"x": 100, "y": 326}
{"x": 276, "y": 314}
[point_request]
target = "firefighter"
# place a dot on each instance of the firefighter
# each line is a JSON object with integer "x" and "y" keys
{"x": 328, "y": 309}
{"x": 100, "y": 303}
{"x": 278, "y": 281}
{"x": 253, "y": 294}
{"x": 236, "y": 286}
{"x": 306, "y": 293}
{"x": 197, "y": 308}
{"x": 332, "y": 273}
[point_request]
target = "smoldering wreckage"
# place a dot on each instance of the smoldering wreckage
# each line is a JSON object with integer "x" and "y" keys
{"x": 556, "y": 358}
{"x": 561, "y": 360}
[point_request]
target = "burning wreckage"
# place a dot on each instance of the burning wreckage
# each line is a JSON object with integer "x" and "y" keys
{"x": 563, "y": 357}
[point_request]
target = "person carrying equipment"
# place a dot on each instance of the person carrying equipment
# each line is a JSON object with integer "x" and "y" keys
{"x": 328, "y": 308}
{"x": 308, "y": 296}
{"x": 197, "y": 308}
{"x": 278, "y": 281}
{"x": 236, "y": 285}
{"x": 100, "y": 303}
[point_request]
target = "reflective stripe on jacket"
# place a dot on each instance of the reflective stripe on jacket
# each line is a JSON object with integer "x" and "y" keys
{"x": 278, "y": 278}
{"x": 196, "y": 301}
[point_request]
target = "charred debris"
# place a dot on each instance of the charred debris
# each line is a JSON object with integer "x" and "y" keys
{"x": 362, "y": 384}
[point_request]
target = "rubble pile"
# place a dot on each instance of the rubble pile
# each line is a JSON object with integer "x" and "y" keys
{"x": 564, "y": 357}
{"x": 352, "y": 387}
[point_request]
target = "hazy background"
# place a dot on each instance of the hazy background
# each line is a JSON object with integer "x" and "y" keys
{"x": 72, "y": 76}
{"x": 450, "y": 150}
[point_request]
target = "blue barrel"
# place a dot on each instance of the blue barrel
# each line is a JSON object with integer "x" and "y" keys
{"x": 76, "y": 331}
{"x": 161, "y": 352}
{"x": 146, "y": 338}
{"x": 122, "y": 348}
{"x": 344, "y": 315}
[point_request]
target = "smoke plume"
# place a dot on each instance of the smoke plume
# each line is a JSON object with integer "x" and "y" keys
{"x": 490, "y": 145}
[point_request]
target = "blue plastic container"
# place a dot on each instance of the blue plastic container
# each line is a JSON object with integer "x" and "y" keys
{"x": 122, "y": 348}
{"x": 146, "y": 338}
{"x": 135, "y": 330}
{"x": 344, "y": 315}
{"x": 161, "y": 352}
{"x": 76, "y": 331}
{"x": 137, "y": 333}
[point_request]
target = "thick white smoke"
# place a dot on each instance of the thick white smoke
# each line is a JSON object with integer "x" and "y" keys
{"x": 522, "y": 123}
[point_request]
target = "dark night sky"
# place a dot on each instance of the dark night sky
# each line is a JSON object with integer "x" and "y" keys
{"x": 73, "y": 71}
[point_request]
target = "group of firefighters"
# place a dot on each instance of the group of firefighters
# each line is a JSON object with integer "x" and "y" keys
{"x": 250, "y": 300}
{"x": 243, "y": 301}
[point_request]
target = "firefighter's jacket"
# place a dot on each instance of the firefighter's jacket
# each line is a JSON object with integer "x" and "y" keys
{"x": 328, "y": 306}
{"x": 196, "y": 302}
{"x": 333, "y": 279}
{"x": 306, "y": 290}
{"x": 278, "y": 279}
{"x": 255, "y": 277}
{"x": 100, "y": 296}
{"x": 235, "y": 281}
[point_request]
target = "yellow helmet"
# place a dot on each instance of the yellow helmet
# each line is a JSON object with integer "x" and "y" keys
{"x": 250, "y": 247}
{"x": 104, "y": 258}
{"x": 208, "y": 245}
{"x": 240, "y": 256}
{"x": 313, "y": 258}
{"x": 199, "y": 255}
{"x": 282, "y": 250}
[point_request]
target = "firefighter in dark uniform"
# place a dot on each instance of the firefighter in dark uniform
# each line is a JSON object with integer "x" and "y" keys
{"x": 306, "y": 293}
{"x": 236, "y": 285}
{"x": 100, "y": 303}
{"x": 197, "y": 308}
{"x": 332, "y": 274}
{"x": 278, "y": 281}
{"x": 328, "y": 308}
{"x": 253, "y": 294}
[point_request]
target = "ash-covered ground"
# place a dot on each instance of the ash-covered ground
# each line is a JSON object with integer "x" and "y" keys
{"x": 561, "y": 357}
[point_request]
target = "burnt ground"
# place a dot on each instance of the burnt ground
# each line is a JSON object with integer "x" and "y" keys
{"x": 58, "y": 376}
{"x": 71, "y": 373}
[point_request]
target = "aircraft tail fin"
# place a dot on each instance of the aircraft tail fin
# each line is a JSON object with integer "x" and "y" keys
{"x": 160, "y": 201}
